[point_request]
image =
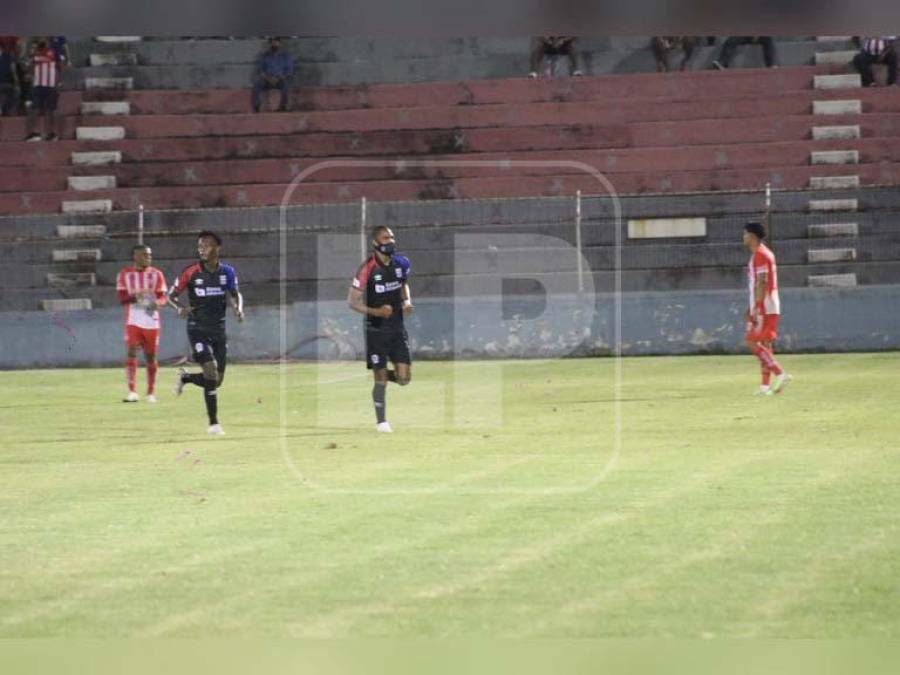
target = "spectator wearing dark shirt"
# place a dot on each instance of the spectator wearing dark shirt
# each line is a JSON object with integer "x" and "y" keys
{"x": 9, "y": 81}
{"x": 732, "y": 43}
{"x": 876, "y": 50}
{"x": 662, "y": 45}
{"x": 275, "y": 71}
{"x": 554, "y": 45}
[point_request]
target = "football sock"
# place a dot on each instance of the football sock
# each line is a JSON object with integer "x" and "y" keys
{"x": 766, "y": 376}
{"x": 151, "y": 377}
{"x": 767, "y": 359}
{"x": 378, "y": 398}
{"x": 131, "y": 373}
{"x": 391, "y": 376}
{"x": 211, "y": 399}
{"x": 193, "y": 378}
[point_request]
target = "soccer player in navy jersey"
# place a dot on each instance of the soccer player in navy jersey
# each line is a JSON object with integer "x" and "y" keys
{"x": 380, "y": 291}
{"x": 211, "y": 285}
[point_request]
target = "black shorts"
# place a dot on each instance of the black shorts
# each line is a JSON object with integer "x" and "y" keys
{"x": 44, "y": 99}
{"x": 384, "y": 346}
{"x": 207, "y": 345}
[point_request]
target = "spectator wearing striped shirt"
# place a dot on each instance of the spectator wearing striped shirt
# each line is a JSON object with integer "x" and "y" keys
{"x": 45, "y": 76}
{"x": 876, "y": 50}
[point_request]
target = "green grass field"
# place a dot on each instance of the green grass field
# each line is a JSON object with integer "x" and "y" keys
{"x": 500, "y": 506}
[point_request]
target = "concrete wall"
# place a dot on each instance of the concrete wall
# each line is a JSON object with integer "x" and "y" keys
{"x": 862, "y": 318}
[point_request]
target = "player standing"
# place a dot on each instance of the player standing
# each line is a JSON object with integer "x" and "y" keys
{"x": 380, "y": 291}
{"x": 211, "y": 285}
{"x": 764, "y": 309}
{"x": 142, "y": 291}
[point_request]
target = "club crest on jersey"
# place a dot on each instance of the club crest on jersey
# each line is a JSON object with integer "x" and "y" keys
{"x": 398, "y": 271}
{"x": 223, "y": 279}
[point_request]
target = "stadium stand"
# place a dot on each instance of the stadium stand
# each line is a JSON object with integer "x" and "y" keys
{"x": 167, "y": 124}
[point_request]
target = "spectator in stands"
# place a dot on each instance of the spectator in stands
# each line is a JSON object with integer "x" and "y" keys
{"x": 549, "y": 46}
{"x": 275, "y": 71}
{"x": 732, "y": 43}
{"x": 876, "y": 50}
{"x": 663, "y": 44}
{"x": 9, "y": 81}
{"x": 60, "y": 47}
{"x": 44, "y": 92}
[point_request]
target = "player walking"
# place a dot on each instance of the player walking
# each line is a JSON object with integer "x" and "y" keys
{"x": 211, "y": 285}
{"x": 142, "y": 291}
{"x": 380, "y": 291}
{"x": 764, "y": 309}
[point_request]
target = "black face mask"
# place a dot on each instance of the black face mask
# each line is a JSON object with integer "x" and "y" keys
{"x": 385, "y": 249}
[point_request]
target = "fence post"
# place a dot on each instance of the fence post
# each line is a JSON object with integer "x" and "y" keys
{"x": 141, "y": 224}
{"x": 362, "y": 229}
{"x": 578, "y": 241}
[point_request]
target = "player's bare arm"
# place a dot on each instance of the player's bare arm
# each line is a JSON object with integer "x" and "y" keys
{"x": 237, "y": 303}
{"x": 172, "y": 301}
{"x": 356, "y": 303}
{"x": 759, "y": 290}
{"x": 408, "y": 307}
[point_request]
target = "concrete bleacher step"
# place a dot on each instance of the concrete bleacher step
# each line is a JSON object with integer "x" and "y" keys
{"x": 836, "y": 57}
{"x": 833, "y": 38}
{"x": 97, "y": 158}
{"x": 113, "y": 59}
{"x": 831, "y": 280}
{"x": 831, "y": 255}
{"x": 80, "y": 231}
{"x": 100, "y": 133}
{"x": 818, "y": 205}
{"x": 833, "y": 182}
{"x": 109, "y": 83}
{"x": 822, "y": 230}
{"x": 66, "y": 304}
{"x": 105, "y": 108}
{"x": 836, "y": 133}
{"x": 88, "y": 206}
{"x": 838, "y": 107}
{"x": 88, "y": 183}
{"x": 834, "y": 157}
{"x": 76, "y": 255}
{"x": 845, "y": 81}
{"x": 66, "y": 279}
{"x": 118, "y": 38}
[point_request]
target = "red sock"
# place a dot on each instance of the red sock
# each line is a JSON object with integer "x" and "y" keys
{"x": 130, "y": 372}
{"x": 767, "y": 359}
{"x": 766, "y": 376}
{"x": 151, "y": 376}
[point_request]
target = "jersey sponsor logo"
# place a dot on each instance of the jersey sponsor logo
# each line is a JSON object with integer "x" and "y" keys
{"x": 208, "y": 292}
{"x": 388, "y": 287}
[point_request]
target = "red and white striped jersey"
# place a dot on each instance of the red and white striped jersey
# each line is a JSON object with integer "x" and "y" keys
{"x": 147, "y": 285}
{"x": 46, "y": 71}
{"x": 763, "y": 262}
{"x": 876, "y": 46}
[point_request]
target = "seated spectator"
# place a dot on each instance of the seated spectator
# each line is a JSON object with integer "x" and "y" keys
{"x": 45, "y": 74}
{"x": 732, "y": 43}
{"x": 876, "y": 50}
{"x": 663, "y": 44}
{"x": 9, "y": 81}
{"x": 275, "y": 71}
{"x": 549, "y": 46}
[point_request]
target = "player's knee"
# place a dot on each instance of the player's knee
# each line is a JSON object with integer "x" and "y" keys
{"x": 150, "y": 359}
{"x": 404, "y": 380}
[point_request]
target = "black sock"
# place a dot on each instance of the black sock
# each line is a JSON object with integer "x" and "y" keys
{"x": 380, "y": 404}
{"x": 212, "y": 400}
{"x": 193, "y": 378}
{"x": 392, "y": 376}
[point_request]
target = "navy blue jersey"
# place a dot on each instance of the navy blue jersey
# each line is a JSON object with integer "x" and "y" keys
{"x": 383, "y": 285}
{"x": 207, "y": 293}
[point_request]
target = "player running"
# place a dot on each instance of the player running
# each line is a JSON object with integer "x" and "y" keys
{"x": 380, "y": 291}
{"x": 142, "y": 291}
{"x": 764, "y": 309}
{"x": 211, "y": 285}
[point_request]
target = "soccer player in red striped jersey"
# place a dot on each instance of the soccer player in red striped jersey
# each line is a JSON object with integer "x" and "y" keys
{"x": 45, "y": 75}
{"x": 142, "y": 291}
{"x": 764, "y": 309}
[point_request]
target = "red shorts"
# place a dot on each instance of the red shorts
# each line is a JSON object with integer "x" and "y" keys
{"x": 764, "y": 330}
{"x": 147, "y": 338}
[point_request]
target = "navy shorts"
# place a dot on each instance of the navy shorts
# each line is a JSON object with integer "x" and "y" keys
{"x": 207, "y": 345}
{"x": 384, "y": 346}
{"x": 44, "y": 99}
